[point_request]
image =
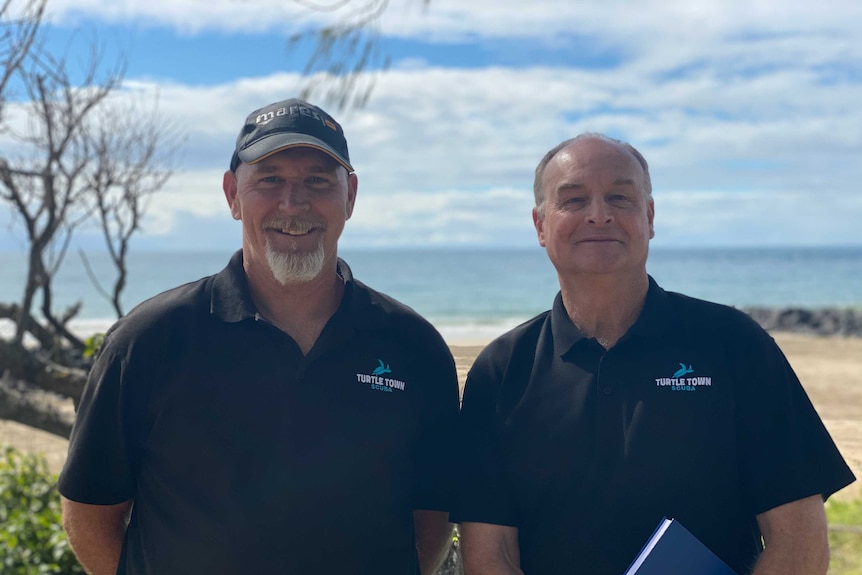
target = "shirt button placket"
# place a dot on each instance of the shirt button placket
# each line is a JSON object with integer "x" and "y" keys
{"x": 603, "y": 385}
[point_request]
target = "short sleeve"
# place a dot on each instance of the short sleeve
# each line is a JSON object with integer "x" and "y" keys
{"x": 99, "y": 466}
{"x": 785, "y": 451}
{"x": 434, "y": 460}
{"x": 484, "y": 494}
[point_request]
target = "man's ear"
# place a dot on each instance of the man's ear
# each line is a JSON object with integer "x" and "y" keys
{"x": 229, "y": 187}
{"x": 539, "y": 223}
{"x": 352, "y": 187}
{"x": 651, "y": 217}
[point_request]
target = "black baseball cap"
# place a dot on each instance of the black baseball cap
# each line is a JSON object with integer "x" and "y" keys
{"x": 289, "y": 124}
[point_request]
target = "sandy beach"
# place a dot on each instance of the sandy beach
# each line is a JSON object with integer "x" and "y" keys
{"x": 830, "y": 369}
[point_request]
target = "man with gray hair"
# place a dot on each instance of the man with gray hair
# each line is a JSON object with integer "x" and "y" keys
{"x": 585, "y": 426}
{"x": 278, "y": 417}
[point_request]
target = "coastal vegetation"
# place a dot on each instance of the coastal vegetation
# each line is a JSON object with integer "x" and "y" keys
{"x": 32, "y": 541}
{"x": 845, "y": 536}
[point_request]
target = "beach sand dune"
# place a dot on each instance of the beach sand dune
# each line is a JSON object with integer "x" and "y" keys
{"x": 830, "y": 369}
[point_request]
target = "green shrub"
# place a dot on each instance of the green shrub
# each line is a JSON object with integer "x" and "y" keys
{"x": 32, "y": 540}
{"x": 845, "y": 537}
{"x": 92, "y": 345}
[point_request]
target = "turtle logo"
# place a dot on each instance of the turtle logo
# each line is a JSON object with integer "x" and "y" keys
{"x": 683, "y": 370}
{"x": 381, "y": 369}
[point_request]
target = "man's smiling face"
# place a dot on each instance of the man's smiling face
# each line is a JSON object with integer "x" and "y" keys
{"x": 293, "y": 206}
{"x": 596, "y": 218}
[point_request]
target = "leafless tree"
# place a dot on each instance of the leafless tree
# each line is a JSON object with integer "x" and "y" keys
{"x": 127, "y": 146}
{"x": 48, "y": 184}
{"x": 17, "y": 34}
{"x": 80, "y": 158}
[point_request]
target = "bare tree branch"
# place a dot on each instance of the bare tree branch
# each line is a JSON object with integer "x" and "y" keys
{"x": 40, "y": 333}
{"x": 56, "y": 197}
{"x": 34, "y": 407}
{"x": 17, "y": 35}
{"x": 94, "y": 279}
{"x": 28, "y": 365}
{"x": 347, "y": 56}
{"x": 131, "y": 153}
{"x": 79, "y": 156}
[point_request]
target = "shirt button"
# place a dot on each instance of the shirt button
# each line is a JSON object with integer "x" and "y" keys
{"x": 608, "y": 390}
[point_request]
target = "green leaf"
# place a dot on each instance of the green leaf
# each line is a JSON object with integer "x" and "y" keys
{"x": 32, "y": 539}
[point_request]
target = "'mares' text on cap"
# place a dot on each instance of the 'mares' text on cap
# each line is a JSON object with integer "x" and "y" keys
{"x": 289, "y": 124}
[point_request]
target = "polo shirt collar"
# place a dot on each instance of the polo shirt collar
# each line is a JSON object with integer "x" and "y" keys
{"x": 563, "y": 330}
{"x": 361, "y": 304}
{"x": 231, "y": 298}
{"x": 654, "y": 320}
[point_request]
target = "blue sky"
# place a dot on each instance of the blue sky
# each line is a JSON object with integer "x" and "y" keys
{"x": 748, "y": 112}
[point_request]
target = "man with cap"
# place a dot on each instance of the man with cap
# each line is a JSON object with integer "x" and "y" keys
{"x": 279, "y": 416}
{"x": 625, "y": 403}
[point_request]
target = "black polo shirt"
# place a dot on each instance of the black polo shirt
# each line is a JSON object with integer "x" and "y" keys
{"x": 244, "y": 456}
{"x": 694, "y": 414}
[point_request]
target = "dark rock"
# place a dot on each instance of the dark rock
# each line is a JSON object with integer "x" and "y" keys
{"x": 824, "y": 321}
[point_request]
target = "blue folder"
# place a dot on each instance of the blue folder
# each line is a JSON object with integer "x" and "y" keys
{"x": 672, "y": 550}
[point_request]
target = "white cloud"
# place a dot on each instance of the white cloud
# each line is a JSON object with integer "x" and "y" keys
{"x": 412, "y": 217}
{"x": 757, "y": 218}
{"x": 661, "y": 22}
{"x": 188, "y": 17}
{"x": 196, "y": 193}
{"x": 648, "y": 30}
{"x": 748, "y": 114}
{"x": 446, "y": 155}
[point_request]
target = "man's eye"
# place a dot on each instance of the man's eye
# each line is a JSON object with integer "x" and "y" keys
{"x": 316, "y": 180}
{"x": 271, "y": 179}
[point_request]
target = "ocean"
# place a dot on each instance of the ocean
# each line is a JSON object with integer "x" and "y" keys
{"x": 474, "y": 295}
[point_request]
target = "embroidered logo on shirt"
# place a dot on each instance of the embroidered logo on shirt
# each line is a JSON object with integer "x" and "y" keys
{"x": 380, "y": 370}
{"x": 679, "y": 383}
{"x": 376, "y": 380}
{"x": 683, "y": 370}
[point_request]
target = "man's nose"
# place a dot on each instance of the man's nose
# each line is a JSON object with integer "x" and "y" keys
{"x": 294, "y": 198}
{"x": 598, "y": 212}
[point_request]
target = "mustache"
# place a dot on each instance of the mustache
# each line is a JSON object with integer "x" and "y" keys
{"x": 294, "y": 224}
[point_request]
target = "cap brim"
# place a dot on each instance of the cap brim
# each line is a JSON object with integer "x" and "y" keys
{"x": 275, "y": 143}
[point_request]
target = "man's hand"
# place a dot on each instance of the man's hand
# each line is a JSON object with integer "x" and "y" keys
{"x": 96, "y": 533}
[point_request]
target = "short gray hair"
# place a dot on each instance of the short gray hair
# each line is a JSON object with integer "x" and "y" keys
{"x": 539, "y": 193}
